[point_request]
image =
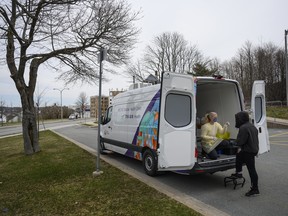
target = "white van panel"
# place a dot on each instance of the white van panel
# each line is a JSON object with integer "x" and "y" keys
{"x": 177, "y": 139}
{"x": 134, "y": 121}
{"x": 258, "y": 107}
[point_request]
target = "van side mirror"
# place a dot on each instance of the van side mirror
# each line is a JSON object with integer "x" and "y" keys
{"x": 102, "y": 120}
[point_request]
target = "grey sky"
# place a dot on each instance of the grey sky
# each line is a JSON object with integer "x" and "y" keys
{"x": 218, "y": 28}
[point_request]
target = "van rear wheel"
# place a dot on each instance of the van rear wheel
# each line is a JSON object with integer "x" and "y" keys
{"x": 150, "y": 162}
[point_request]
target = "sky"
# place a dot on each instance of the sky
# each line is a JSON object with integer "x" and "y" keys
{"x": 217, "y": 27}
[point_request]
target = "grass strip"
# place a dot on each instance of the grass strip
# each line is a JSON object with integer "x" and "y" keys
{"x": 277, "y": 112}
{"x": 58, "y": 181}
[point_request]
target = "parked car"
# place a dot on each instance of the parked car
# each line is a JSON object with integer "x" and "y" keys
{"x": 72, "y": 116}
{"x": 3, "y": 119}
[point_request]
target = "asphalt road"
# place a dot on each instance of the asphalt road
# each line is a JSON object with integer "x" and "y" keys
{"x": 17, "y": 129}
{"x": 209, "y": 189}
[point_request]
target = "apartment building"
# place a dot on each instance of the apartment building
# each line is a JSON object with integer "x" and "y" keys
{"x": 105, "y": 102}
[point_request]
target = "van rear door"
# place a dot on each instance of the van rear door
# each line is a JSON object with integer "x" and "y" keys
{"x": 258, "y": 106}
{"x": 177, "y": 122}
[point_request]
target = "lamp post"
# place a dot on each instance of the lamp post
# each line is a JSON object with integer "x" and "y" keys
{"x": 61, "y": 90}
{"x": 286, "y": 66}
{"x": 102, "y": 57}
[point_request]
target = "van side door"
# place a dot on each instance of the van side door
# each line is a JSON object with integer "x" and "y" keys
{"x": 177, "y": 136}
{"x": 111, "y": 132}
{"x": 258, "y": 106}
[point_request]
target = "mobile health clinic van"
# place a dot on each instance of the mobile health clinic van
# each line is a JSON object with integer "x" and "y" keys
{"x": 159, "y": 124}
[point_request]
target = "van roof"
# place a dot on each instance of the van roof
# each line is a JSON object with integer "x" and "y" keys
{"x": 213, "y": 78}
{"x": 153, "y": 88}
{"x": 138, "y": 91}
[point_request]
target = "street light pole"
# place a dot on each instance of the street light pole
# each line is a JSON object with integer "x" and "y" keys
{"x": 61, "y": 108}
{"x": 102, "y": 57}
{"x": 286, "y": 67}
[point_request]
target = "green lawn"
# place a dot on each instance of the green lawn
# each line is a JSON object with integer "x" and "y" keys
{"x": 58, "y": 181}
{"x": 278, "y": 112}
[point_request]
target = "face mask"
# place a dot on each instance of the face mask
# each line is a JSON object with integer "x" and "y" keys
{"x": 215, "y": 120}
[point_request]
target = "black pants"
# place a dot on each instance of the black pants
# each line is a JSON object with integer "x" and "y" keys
{"x": 248, "y": 159}
{"x": 213, "y": 154}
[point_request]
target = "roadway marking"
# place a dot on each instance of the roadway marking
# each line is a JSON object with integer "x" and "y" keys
{"x": 278, "y": 141}
{"x": 280, "y": 144}
{"x": 275, "y": 135}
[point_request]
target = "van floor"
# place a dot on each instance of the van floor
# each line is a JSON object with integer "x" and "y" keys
{"x": 221, "y": 157}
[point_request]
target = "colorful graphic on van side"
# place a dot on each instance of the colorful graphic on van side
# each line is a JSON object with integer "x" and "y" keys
{"x": 147, "y": 131}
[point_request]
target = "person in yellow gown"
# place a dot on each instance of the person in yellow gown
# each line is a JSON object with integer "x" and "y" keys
{"x": 209, "y": 132}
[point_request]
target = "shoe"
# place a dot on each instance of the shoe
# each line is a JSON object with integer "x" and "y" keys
{"x": 252, "y": 192}
{"x": 237, "y": 175}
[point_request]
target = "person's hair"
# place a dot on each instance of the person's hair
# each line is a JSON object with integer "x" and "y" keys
{"x": 208, "y": 117}
{"x": 210, "y": 114}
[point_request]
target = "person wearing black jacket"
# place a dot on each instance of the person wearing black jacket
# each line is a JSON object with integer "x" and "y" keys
{"x": 248, "y": 144}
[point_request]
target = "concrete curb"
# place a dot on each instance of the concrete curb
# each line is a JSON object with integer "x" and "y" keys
{"x": 277, "y": 123}
{"x": 189, "y": 201}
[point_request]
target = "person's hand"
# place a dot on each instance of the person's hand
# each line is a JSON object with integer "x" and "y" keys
{"x": 227, "y": 123}
{"x": 238, "y": 150}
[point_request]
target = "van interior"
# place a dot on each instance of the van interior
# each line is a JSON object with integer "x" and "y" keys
{"x": 222, "y": 97}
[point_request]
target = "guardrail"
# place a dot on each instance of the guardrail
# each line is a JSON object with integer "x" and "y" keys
{"x": 275, "y": 103}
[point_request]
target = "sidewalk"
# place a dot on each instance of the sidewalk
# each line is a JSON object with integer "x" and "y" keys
{"x": 276, "y": 122}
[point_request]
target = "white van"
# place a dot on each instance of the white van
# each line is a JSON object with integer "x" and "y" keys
{"x": 158, "y": 124}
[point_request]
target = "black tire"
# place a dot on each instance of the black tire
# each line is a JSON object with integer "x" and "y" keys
{"x": 102, "y": 148}
{"x": 150, "y": 162}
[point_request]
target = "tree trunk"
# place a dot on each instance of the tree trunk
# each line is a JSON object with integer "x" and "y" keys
{"x": 29, "y": 125}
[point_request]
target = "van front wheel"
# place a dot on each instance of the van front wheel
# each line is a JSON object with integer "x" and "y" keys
{"x": 101, "y": 148}
{"x": 150, "y": 163}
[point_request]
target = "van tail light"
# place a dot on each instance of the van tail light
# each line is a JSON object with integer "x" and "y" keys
{"x": 196, "y": 153}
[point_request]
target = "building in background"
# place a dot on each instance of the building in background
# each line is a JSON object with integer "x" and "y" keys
{"x": 94, "y": 105}
{"x": 113, "y": 93}
{"x": 105, "y": 102}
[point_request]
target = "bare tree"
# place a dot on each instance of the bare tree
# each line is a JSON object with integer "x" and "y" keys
{"x": 82, "y": 102}
{"x": 214, "y": 66}
{"x": 136, "y": 71}
{"x": 279, "y": 67}
{"x": 262, "y": 62}
{"x": 190, "y": 58}
{"x": 244, "y": 67}
{"x": 69, "y": 32}
{"x": 170, "y": 52}
{"x": 165, "y": 53}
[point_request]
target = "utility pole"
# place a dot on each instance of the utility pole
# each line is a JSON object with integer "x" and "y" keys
{"x": 286, "y": 67}
{"x": 102, "y": 57}
{"x": 61, "y": 108}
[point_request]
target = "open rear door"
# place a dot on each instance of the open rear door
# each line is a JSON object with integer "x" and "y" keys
{"x": 177, "y": 122}
{"x": 258, "y": 106}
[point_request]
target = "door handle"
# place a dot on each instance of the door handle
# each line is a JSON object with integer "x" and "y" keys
{"x": 260, "y": 130}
